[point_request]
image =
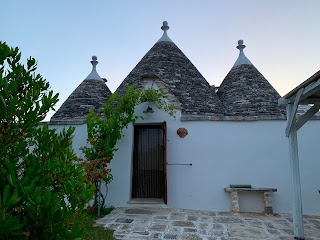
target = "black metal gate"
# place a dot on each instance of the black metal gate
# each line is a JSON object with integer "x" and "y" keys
{"x": 148, "y": 162}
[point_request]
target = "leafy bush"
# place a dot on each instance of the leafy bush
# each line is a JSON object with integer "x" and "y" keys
{"x": 43, "y": 191}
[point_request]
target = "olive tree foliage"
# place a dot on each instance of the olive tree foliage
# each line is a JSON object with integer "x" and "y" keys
{"x": 42, "y": 189}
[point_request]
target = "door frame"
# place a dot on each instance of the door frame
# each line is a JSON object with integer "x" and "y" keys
{"x": 164, "y": 138}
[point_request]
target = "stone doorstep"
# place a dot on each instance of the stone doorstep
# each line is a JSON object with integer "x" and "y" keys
{"x": 146, "y": 201}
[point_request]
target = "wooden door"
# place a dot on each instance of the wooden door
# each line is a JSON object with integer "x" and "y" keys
{"x": 148, "y": 179}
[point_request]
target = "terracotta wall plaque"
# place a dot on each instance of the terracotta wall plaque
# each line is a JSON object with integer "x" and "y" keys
{"x": 182, "y": 132}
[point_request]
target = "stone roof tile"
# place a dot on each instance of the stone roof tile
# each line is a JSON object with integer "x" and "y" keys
{"x": 245, "y": 92}
{"x": 180, "y": 78}
{"x": 90, "y": 94}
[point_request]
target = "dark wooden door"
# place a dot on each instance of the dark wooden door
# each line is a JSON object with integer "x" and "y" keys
{"x": 148, "y": 179}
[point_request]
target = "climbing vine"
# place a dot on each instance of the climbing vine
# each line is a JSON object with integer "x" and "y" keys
{"x": 156, "y": 97}
{"x": 104, "y": 132}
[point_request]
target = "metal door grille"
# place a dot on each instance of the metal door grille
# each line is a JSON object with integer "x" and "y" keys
{"x": 148, "y": 175}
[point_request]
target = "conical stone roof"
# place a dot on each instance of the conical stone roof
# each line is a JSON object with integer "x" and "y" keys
{"x": 182, "y": 83}
{"x": 90, "y": 94}
{"x": 246, "y": 92}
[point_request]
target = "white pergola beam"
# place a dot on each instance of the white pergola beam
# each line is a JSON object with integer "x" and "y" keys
{"x": 309, "y": 101}
{"x": 308, "y": 91}
{"x": 298, "y": 228}
{"x": 311, "y": 89}
{"x": 291, "y": 114}
{"x": 306, "y": 94}
{"x": 305, "y": 117}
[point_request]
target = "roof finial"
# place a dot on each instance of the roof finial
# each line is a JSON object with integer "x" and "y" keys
{"x": 165, "y": 37}
{"x": 94, "y": 75}
{"x": 240, "y": 45}
{"x": 94, "y": 62}
{"x": 242, "y": 59}
{"x": 165, "y": 26}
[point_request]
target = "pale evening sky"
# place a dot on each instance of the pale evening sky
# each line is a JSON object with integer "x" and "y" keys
{"x": 282, "y": 37}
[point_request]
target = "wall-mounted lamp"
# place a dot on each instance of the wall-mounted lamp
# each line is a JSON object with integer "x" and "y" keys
{"x": 148, "y": 111}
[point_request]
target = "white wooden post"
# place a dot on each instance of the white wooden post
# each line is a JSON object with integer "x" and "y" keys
{"x": 298, "y": 228}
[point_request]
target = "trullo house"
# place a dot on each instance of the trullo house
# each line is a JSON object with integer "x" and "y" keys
{"x": 234, "y": 134}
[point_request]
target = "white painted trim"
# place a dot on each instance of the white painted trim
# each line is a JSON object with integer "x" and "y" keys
{"x": 165, "y": 38}
{"x": 311, "y": 89}
{"x": 309, "y": 101}
{"x": 298, "y": 227}
{"x": 291, "y": 114}
{"x": 305, "y": 117}
{"x": 242, "y": 59}
{"x": 94, "y": 74}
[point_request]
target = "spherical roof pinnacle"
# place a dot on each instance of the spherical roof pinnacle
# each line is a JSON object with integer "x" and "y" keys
{"x": 165, "y": 37}
{"x": 94, "y": 61}
{"x": 242, "y": 59}
{"x": 94, "y": 75}
{"x": 165, "y": 27}
{"x": 241, "y": 46}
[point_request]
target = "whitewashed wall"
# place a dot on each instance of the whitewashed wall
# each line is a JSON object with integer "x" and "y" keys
{"x": 222, "y": 153}
{"x": 80, "y": 135}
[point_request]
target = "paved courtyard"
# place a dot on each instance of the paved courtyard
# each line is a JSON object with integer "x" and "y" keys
{"x": 165, "y": 223}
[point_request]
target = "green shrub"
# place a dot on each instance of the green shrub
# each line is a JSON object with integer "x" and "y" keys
{"x": 43, "y": 191}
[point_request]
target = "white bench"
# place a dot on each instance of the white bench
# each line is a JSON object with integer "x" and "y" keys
{"x": 267, "y": 197}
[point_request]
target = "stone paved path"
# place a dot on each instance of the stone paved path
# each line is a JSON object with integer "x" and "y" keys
{"x": 164, "y": 223}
